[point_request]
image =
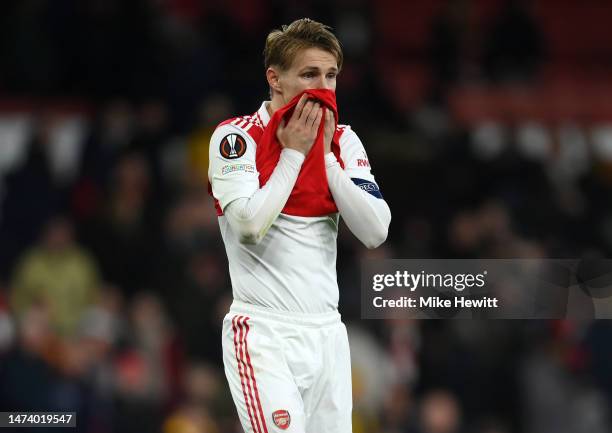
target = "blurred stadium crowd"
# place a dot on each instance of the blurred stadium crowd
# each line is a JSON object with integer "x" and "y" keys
{"x": 488, "y": 127}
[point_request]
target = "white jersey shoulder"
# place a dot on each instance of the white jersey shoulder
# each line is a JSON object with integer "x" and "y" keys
{"x": 232, "y": 171}
{"x": 353, "y": 154}
{"x": 247, "y": 122}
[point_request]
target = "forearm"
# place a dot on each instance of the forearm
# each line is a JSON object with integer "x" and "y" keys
{"x": 252, "y": 217}
{"x": 367, "y": 216}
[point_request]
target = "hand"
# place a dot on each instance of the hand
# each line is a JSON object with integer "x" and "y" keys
{"x": 330, "y": 129}
{"x": 300, "y": 132}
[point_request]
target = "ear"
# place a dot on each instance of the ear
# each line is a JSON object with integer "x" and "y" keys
{"x": 273, "y": 77}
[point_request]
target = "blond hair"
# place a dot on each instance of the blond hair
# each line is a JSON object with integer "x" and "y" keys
{"x": 283, "y": 45}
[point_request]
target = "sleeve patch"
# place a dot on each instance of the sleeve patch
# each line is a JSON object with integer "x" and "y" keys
{"x": 230, "y": 168}
{"x": 367, "y": 186}
{"x": 232, "y": 146}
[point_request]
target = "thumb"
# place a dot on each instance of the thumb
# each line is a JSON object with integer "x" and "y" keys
{"x": 280, "y": 128}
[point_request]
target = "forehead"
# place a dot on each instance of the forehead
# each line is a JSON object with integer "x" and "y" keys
{"x": 315, "y": 57}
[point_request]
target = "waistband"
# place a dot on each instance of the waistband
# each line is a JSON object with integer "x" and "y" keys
{"x": 303, "y": 319}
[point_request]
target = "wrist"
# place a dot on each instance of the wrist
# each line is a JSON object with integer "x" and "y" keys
{"x": 294, "y": 154}
{"x": 294, "y": 149}
{"x": 330, "y": 160}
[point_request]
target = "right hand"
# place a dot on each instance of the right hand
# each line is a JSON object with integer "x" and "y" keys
{"x": 301, "y": 131}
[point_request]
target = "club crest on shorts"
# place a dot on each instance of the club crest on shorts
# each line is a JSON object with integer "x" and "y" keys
{"x": 232, "y": 146}
{"x": 282, "y": 419}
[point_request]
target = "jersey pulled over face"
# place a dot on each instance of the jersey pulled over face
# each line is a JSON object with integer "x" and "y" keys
{"x": 293, "y": 268}
{"x": 312, "y": 68}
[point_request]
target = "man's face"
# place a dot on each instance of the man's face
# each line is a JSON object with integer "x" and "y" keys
{"x": 312, "y": 68}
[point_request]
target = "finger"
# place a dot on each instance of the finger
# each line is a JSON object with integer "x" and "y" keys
{"x": 281, "y": 127}
{"x": 330, "y": 125}
{"x": 306, "y": 111}
{"x": 317, "y": 120}
{"x": 313, "y": 114}
{"x": 297, "y": 112}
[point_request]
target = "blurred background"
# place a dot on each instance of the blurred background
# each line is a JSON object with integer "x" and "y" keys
{"x": 489, "y": 127}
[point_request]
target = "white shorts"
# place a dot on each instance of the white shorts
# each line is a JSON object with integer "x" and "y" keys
{"x": 286, "y": 371}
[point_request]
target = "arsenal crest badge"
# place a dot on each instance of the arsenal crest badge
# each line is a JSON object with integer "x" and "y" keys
{"x": 281, "y": 419}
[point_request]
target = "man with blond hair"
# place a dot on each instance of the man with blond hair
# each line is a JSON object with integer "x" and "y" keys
{"x": 280, "y": 177}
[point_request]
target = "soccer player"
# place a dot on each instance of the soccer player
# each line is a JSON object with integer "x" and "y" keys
{"x": 280, "y": 177}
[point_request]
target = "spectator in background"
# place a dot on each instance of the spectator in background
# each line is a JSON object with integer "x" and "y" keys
{"x": 515, "y": 45}
{"x": 45, "y": 371}
{"x": 113, "y": 130}
{"x": 596, "y": 343}
{"x": 147, "y": 369}
{"x": 7, "y": 325}
{"x": 447, "y": 44}
{"x": 30, "y": 198}
{"x": 204, "y": 397}
{"x": 58, "y": 274}
{"x": 198, "y": 299}
{"x": 151, "y": 141}
{"x": 189, "y": 276}
{"x": 439, "y": 413}
{"x": 28, "y": 381}
{"x": 398, "y": 415}
{"x": 373, "y": 375}
{"x": 123, "y": 236}
{"x": 213, "y": 111}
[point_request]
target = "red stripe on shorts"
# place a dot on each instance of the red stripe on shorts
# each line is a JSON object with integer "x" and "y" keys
{"x": 240, "y": 372}
{"x": 263, "y": 420}
{"x": 250, "y": 376}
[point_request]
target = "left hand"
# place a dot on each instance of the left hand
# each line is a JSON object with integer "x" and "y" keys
{"x": 330, "y": 129}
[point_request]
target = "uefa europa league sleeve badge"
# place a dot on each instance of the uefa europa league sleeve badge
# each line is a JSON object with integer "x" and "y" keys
{"x": 232, "y": 146}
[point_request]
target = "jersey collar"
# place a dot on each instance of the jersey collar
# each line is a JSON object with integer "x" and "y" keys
{"x": 263, "y": 113}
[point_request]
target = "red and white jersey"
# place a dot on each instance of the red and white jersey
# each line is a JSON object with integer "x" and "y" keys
{"x": 293, "y": 267}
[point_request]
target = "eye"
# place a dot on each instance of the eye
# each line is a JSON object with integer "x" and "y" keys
{"x": 308, "y": 75}
{"x": 332, "y": 75}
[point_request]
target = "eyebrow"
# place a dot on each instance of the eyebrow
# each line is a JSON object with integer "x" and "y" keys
{"x": 316, "y": 68}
